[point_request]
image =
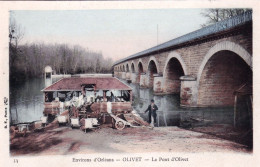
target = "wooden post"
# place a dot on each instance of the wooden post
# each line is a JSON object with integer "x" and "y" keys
{"x": 131, "y": 96}
{"x": 104, "y": 118}
{"x": 11, "y": 119}
{"x": 235, "y": 111}
{"x": 104, "y": 96}
{"x": 34, "y": 105}
{"x": 16, "y": 115}
{"x": 158, "y": 120}
{"x": 250, "y": 108}
{"x": 249, "y": 113}
{"x": 95, "y": 92}
{"x": 164, "y": 119}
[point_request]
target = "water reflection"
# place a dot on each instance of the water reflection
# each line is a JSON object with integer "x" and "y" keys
{"x": 168, "y": 113}
{"x": 171, "y": 114}
{"x": 26, "y": 100}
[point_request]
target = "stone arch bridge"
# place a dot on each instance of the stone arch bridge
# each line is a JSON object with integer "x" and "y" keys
{"x": 205, "y": 66}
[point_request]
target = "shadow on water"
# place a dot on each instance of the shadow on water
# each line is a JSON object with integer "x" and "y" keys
{"x": 26, "y": 100}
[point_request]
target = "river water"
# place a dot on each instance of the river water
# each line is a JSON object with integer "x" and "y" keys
{"x": 26, "y": 105}
{"x": 171, "y": 114}
{"x": 26, "y": 100}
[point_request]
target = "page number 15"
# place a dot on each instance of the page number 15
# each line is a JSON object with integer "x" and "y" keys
{"x": 16, "y": 161}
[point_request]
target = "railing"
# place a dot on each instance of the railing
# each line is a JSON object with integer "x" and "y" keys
{"x": 211, "y": 29}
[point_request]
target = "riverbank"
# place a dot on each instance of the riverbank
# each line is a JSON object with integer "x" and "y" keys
{"x": 64, "y": 140}
{"x": 228, "y": 132}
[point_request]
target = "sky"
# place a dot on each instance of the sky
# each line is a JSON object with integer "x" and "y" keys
{"x": 116, "y": 33}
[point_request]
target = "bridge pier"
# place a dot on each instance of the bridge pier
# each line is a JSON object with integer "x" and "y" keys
{"x": 143, "y": 80}
{"x": 128, "y": 76}
{"x": 116, "y": 74}
{"x": 120, "y": 75}
{"x": 133, "y": 77}
{"x": 158, "y": 84}
{"x": 138, "y": 77}
{"x": 189, "y": 91}
{"x": 123, "y": 75}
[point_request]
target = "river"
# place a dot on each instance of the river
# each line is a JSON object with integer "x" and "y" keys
{"x": 26, "y": 100}
{"x": 170, "y": 113}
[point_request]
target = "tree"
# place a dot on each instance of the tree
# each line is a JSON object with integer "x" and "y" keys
{"x": 16, "y": 33}
{"x": 76, "y": 56}
{"x": 218, "y": 14}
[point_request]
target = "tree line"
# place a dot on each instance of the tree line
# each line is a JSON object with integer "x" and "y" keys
{"x": 29, "y": 60}
{"x": 215, "y": 15}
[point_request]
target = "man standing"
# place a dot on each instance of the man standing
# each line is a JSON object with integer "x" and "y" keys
{"x": 152, "y": 111}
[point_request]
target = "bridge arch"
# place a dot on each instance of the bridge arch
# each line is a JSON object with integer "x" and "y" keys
{"x": 152, "y": 58}
{"x": 132, "y": 67}
{"x": 127, "y": 67}
{"x": 152, "y": 68}
{"x": 123, "y": 68}
{"x": 225, "y": 68}
{"x": 140, "y": 70}
{"x": 174, "y": 68}
{"x": 225, "y": 45}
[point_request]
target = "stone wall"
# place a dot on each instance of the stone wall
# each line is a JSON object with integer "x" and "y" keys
{"x": 215, "y": 75}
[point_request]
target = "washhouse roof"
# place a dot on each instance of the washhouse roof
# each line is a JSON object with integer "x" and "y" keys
{"x": 74, "y": 84}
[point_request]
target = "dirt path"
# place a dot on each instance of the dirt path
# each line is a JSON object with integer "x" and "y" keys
{"x": 64, "y": 140}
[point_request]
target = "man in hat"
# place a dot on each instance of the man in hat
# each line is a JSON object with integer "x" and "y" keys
{"x": 152, "y": 111}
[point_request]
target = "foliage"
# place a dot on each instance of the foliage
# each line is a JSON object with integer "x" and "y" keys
{"x": 218, "y": 14}
{"x": 29, "y": 60}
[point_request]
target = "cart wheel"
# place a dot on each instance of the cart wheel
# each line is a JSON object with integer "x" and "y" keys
{"x": 119, "y": 125}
